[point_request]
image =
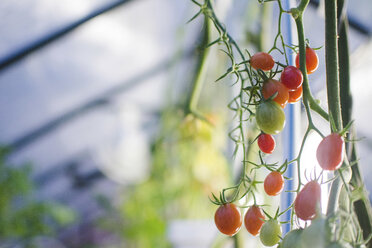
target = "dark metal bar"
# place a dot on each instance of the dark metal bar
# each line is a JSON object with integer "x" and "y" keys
{"x": 18, "y": 55}
{"x": 98, "y": 101}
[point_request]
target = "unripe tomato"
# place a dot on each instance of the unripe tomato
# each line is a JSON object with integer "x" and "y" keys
{"x": 263, "y": 61}
{"x": 292, "y": 239}
{"x": 316, "y": 235}
{"x": 266, "y": 143}
{"x": 270, "y": 117}
{"x": 272, "y": 86}
{"x": 291, "y": 77}
{"x": 228, "y": 219}
{"x": 295, "y": 95}
{"x": 330, "y": 152}
{"x": 253, "y": 220}
{"x": 312, "y": 60}
{"x": 274, "y": 183}
{"x": 270, "y": 233}
{"x": 307, "y": 201}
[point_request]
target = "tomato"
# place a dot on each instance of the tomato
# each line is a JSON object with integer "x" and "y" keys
{"x": 266, "y": 143}
{"x": 295, "y": 95}
{"x": 307, "y": 201}
{"x": 228, "y": 219}
{"x": 272, "y": 86}
{"x": 270, "y": 117}
{"x": 292, "y": 239}
{"x": 312, "y": 60}
{"x": 270, "y": 233}
{"x": 316, "y": 235}
{"x": 274, "y": 183}
{"x": 263, "y": 61}
{"x": 330, "y": 152}
{"x": 291, "y": 77}
{"x": 253, "y": 220}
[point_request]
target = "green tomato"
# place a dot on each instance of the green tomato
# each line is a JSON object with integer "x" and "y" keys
{"x": 270, "y": 117}
{"x": 270, "y": 233}
{"x": 317, "y": 235}
{"x": 292, "y": 239}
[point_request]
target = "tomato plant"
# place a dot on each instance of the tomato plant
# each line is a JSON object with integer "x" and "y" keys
{"x": 253, "y": 220}
{"x": 270, "y": 233}
{"x": 308, "y": 200}
{"x": 262, "y": 61}
{"x": 228, "y": 219}
{"x": 312, "y": 60}
{"x": 330, "y": 152}
{"x": 291, "y": 77}
{"x": 274, "y": 183}
{"x": 270, "y": 117}
{"x": 266, "y": 143}
{"x": 295, "y": 95}
{"x": 271, "y": 87}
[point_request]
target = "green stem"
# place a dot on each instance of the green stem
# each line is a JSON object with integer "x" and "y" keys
{"x": 199, "y": 78}
{"x": 333, "y": 90}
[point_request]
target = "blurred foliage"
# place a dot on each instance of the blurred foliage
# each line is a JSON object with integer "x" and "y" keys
{"x": 22, "y": 217}
{"x": 188, "y": 164}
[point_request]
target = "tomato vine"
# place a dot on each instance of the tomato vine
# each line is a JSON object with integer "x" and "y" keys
{"x": 255, "y": 101}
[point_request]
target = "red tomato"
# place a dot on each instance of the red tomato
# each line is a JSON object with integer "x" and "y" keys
{"x": 266, "y": 143}
{"x": 228, "y": 219}
{"x": 291, "y": 77}
{"x": 274, "y": 183}
{"x": 253, "y": 220}
{"x": 307, "y": 201}
{"x": 295, "y": 96}
{"x": 312, "y": 60}
{"x": 263, "y": 61}
{"x": 271, "y": 86}
{"x": 330, "y": 152}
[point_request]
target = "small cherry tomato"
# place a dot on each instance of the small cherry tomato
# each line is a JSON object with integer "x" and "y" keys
{"x": 318, "y": 234}
{"x": 266, "y": 143}
{"x": 228, "y": 219}
{"x": 270, "y": 117}
{"x": 263, "y": 61}
{"x": 270, "y": 233}
{"x": 253, "y": 220}
{"x": 312, "y": 60}
{"x": 295, "y": 96}
{"x": 330, "y": 152}
{"x": 291, "y": 77}
{"x": 274, "y": 183}
{"x": 272, "y": 86}
{"x": 307, "y": 201}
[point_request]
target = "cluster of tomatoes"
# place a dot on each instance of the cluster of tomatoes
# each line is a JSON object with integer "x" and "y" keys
{"x": 270, "y": 119}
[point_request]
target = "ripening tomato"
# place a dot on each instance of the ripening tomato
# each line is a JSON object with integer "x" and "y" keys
{"x": 228, "y": 219}
{"x": 270, "y": 233}
{"x": 253, "y": 220}
{"x": 266, "y": 143}
{"x": 270, "y": 117}
{"x": 272, "y": 86}
{"x": 312, "y": 60}
{"x": 274, "y": 183}
{"x": 307, "y": 201}
{"x": 292, "y": 239}
{"x": 295, "y": 96}
{"x": 330, "y": 152}
{"x": 291, "y": 77}
{"x": 263, "y": 61}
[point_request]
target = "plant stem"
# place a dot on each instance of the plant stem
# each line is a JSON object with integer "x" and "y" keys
{"x": 333, "y": 90}
{"x": 192, "y": 102}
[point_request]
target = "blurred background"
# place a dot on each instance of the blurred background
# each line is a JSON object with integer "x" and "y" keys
{"x": 96, "y": 147}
